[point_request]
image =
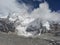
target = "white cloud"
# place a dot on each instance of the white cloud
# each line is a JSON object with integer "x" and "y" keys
{"x": 7, "y": 6}
{"x": 45, "y": 13}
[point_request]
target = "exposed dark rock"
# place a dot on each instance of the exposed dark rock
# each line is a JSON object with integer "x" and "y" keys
{"x": 6, "y": 25}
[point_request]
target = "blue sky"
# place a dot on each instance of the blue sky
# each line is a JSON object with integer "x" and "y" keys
{"x": 54, "y": 5}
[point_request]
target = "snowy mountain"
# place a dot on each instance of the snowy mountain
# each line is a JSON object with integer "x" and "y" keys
{"x": 21, "y": 23}
{"x": 27, "y": 25}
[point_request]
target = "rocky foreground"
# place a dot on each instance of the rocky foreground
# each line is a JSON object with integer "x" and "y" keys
{"x": 11, "y": 39}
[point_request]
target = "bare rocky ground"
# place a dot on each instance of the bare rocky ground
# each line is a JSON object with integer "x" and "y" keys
{"x": 11, "y": 39}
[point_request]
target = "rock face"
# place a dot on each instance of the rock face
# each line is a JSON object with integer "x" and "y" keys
{"x": 6, "y": 25}
{"x": 38, "y": 26}
{"x": 55, "y": 29}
